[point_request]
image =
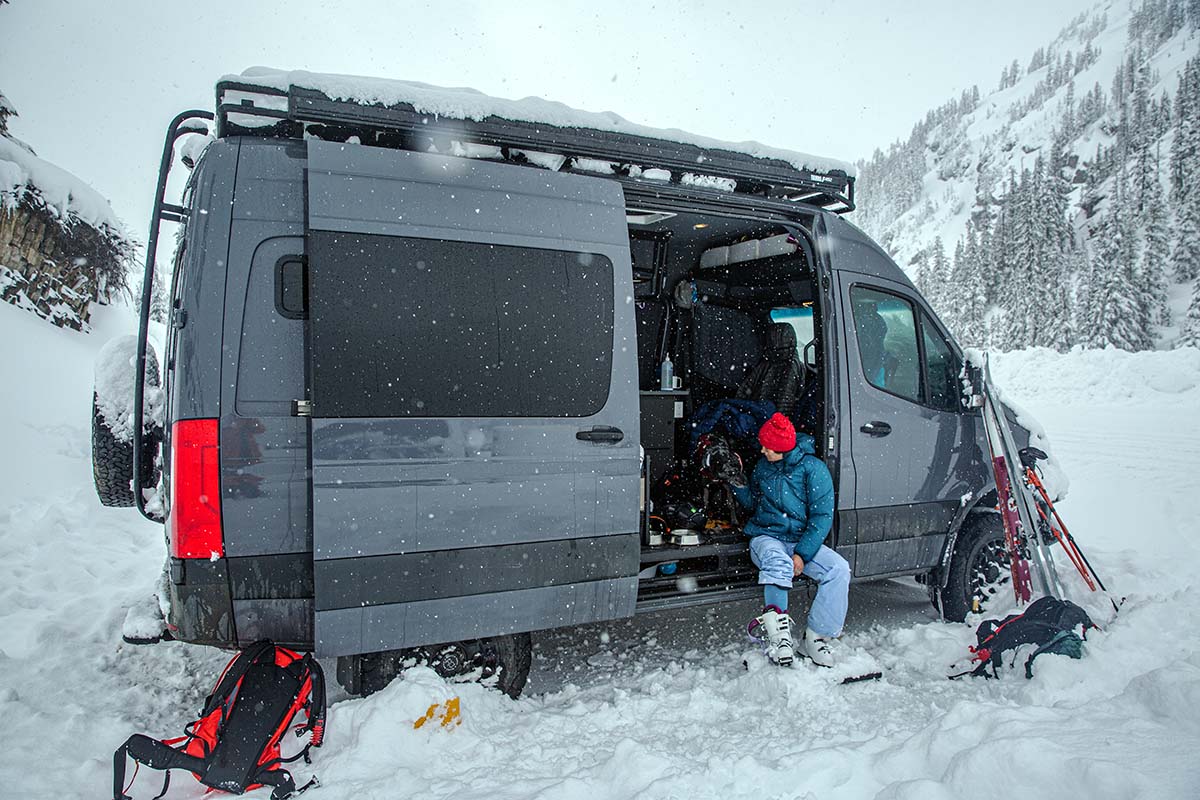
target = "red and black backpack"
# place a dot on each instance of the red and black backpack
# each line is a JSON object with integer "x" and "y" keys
{"x": 234, "y": 745}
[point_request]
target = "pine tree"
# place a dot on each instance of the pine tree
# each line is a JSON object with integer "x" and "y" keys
{"x": 6, "y": 111}
{"x": 1122, "y": 313}
{"x": 1190, "y": 333}
{"x": 938, "y": 273}
{"x": 1155, "y": 252}
{"x": 1185, "y": 257}
{"x": 1185, "y": 148}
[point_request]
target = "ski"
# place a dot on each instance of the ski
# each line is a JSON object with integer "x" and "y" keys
{"x": 762, "y": 653}
{"x": 1013, "y": 501}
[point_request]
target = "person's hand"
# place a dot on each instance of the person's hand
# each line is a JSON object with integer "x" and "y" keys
{"x": 797, "y": 564}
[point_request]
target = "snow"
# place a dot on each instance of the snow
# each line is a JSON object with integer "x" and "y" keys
{"x": 659, "y": 706}
{"x": 66, "y": 195}
{"x": 463, "y": 103}
{"x": 114, "y": 378}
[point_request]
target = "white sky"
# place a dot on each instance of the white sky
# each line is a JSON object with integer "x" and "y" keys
{"x": 95, "y": 83}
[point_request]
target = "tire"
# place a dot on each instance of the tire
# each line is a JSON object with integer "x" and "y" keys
{"x": 500, "y": 662}
{"x": 978, "y": 567}
{"x": 112, "y": 455}
{"x": 112, "y": 463}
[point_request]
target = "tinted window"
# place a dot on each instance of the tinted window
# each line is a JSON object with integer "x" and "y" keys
{"x": 801, "y": 320}
{"x": 887, "y": 341}
{"x": 941, "y": 369}
{"x": 430, "y": 328}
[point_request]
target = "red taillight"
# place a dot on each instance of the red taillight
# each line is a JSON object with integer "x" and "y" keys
{"x": 194, "y": 521}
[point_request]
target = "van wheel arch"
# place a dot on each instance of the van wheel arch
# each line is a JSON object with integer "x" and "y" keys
{"x": 977, "y": 565}
{"x": 502, "y": 662}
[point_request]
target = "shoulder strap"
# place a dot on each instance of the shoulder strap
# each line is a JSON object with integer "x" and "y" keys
{"x": 234, "y": 672}
{"x": 154, "y": 754}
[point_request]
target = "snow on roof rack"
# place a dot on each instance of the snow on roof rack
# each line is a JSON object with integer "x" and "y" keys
{"x": 463, "y": 122}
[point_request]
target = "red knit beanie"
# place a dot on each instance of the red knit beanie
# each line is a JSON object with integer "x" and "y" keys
{"x": 777, "y": 434}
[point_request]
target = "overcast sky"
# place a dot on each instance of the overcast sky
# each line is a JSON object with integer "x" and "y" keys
{"x": 95, "y": 83}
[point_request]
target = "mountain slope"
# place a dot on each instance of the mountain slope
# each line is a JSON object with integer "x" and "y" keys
{"x": 1093, "y": 140}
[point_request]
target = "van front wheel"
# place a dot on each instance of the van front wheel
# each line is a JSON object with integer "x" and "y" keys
{"x": 501, "y": 662}
{"x": 978, "y": 568}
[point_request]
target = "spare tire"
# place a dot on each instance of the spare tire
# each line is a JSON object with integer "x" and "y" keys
{"x": 112, "y": 423}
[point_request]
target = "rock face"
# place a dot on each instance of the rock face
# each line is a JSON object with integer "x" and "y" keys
{"x": 60, "y": 245}
{"x": 46, "y": 266}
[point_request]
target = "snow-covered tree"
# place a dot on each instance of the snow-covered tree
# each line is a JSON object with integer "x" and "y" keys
{"x": 1185, "y": 257}
{"x": 1156, "y": 250}
{"x": 1190, "y": 333}
{"x": 6, "y": 111}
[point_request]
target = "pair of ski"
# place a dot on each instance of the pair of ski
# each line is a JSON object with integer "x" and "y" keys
{"x": 1030, "y": 520}
{"x": 1015, "y": 505}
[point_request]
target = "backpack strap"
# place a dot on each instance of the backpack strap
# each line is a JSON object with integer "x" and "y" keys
{"x": 316, "y": 709}
{"x": 154, "y": 754}
{"x": 1065, "y": 642}
{"x": 235, "y": 670}
{"x": 282, "y": 783}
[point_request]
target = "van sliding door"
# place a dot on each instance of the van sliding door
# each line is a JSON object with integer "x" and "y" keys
{"x": 472, "y": 374}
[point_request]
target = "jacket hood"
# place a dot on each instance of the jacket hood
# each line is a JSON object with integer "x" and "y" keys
{"x": 805, "y": 444}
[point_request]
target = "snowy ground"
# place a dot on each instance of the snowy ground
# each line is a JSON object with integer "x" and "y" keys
{"x": 659, "y": 706}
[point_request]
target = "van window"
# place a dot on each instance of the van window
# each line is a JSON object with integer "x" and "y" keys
{"x": 406, "y": 327}
{"x": 886, "y": 330}
{"x": 801, "y": 320}
{"x": 941, "y": 368}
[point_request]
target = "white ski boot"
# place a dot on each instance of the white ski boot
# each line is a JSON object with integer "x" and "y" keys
{"x": 817, "y": 648}
{"x": 776, "y": 627}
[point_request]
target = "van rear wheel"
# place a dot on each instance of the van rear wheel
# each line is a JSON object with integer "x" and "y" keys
{"x": 501, "y": 662}
{"x": 978, "y": 568}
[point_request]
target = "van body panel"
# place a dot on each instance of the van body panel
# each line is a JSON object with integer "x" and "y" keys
{"x": 911, "y": 481}
{"x": 402, "y": 480}
{"x": 264, "y": 448}
{"x": 193, "y": 359}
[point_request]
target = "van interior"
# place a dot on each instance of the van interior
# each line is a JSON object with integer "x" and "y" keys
{"x": 731, "y": 302}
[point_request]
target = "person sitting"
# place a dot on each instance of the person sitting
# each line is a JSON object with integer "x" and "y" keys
{"x": 790, "y": 494}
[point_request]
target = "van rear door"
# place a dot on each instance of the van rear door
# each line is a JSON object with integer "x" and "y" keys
{"x": 472, "y": 361}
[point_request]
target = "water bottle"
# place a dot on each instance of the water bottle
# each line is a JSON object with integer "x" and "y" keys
{"x": 666, "y": 375}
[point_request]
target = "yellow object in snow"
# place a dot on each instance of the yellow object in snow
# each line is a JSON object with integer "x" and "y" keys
{"x": 451, "y": 717}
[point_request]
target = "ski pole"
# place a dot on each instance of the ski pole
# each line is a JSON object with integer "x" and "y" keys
{"x": 1072, "y": 552}
{"x": 1046, "y": 497}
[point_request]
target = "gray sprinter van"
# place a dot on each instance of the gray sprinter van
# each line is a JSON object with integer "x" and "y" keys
{"x": 417, "y": 403}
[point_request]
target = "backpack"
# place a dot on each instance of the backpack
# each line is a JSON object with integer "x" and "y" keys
{"x": 234, "y": 745}
{"x": 1049, "y": 623}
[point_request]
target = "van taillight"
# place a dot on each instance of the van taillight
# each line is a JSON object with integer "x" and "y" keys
{"x": 194, "y": 521}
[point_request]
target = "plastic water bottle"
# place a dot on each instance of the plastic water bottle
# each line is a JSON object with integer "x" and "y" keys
{"x": 666, "y": 375}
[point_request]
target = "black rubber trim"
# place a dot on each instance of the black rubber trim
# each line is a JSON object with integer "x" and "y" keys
{"x": 404, "y": 578}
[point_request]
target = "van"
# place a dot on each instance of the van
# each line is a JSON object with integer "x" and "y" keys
{"x": 417, "y": 394}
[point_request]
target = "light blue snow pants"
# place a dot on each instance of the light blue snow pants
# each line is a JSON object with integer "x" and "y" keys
{"x": 831, "y": 572}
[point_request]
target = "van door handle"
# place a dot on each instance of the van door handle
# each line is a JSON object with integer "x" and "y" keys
{"x": 601, "y": 433}
{"x": 876, "y": 428}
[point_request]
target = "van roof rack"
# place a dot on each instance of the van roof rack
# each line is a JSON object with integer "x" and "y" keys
{"x": 248, "y": 108}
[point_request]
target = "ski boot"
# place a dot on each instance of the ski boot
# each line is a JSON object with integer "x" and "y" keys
{"x": 775, "y": 627}
{"x": 817, "y": 648}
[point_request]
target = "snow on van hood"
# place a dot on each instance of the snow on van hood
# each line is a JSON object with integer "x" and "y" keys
{"x": 464, "y": 103}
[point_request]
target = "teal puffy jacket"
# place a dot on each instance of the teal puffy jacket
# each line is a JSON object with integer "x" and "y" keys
{"x": 792, "y": 499}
